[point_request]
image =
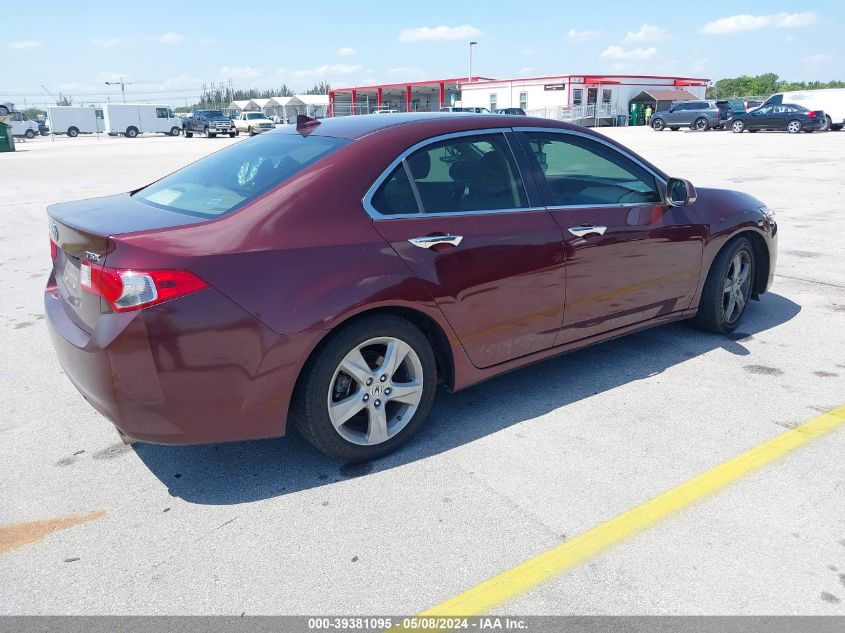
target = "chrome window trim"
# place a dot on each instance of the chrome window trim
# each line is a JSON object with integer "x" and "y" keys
{"x": 376, "y": 215}
{"x": 660, "y": 179}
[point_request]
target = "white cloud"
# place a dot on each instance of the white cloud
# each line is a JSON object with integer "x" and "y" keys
{"x": 634, "y": 54}
{"x": 239, "y": 72}
{"x": 647, "y": 34}
{"x": 527, "y": 70}
{"x": 326, "y": 70}
{"x": 168, "y": 38}
{"x": 527, "y": 52}
{"x": 700, "y": 65}
{"x": 816, "y": 62}
{"x": 745, "y": 22}
{"x": 106, "y": 42}
{"x": 24, "y": 44}
{"x": 345, "y": 51}
{"x": 582, "y": 36}
{"x": 439, "y": 33}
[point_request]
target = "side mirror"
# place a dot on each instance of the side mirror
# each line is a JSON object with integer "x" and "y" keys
{"x": 680, "y": 193}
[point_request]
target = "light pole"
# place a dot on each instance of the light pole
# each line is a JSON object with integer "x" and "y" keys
{"x": 122, "y": 85}
{"x": 469, "y": 75}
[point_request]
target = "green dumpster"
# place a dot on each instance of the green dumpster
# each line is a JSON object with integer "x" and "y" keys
{"x": 7, "y": 141}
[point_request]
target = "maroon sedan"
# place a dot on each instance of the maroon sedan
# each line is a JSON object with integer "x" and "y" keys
{"x": 330, "y": 274}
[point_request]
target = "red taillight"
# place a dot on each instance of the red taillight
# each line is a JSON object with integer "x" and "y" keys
{"x": 54, "y": 250}
{"x": 127, "y": 289}
{"x": 812, "y": 115}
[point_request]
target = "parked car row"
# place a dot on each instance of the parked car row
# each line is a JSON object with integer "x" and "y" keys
{"x": 797, "y": 111}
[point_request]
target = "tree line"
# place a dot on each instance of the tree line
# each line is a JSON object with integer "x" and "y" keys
{"x": 220, "y": 95}
{"x": 763, "y": 85}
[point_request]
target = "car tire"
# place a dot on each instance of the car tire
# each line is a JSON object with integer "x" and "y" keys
{"x": 4, "y": 111}
{"x": 359, "y": 437}
{"x": 794, "y": 126}
{"x": 658, "y": 125}
{"x": 835, "y": 128}
{"x": 701, "y": 124}
{"x": 188, "y": 134}
{"x": 249, "y": 131}
{"x": 738, "y": 127}
{"x": 721, "y": 310}
{"x": 175, "y": 131}
{"x": 131, "y": 132}
{"x": 211, "y": 134}
{"x": 827, "y": 125}
{"x": 73, "y": 132}
{"x": 231, "y": 134}
{"x": 29, "y": 134}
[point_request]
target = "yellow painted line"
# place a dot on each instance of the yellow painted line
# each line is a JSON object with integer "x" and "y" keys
{"x": 517, "y": 580}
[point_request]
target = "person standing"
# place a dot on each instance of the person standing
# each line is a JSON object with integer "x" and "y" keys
{"x": 648, "y": 115}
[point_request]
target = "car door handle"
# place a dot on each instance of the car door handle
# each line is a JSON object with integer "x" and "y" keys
{"x": 435, "y": 240}
{"x": 582, "y": 230}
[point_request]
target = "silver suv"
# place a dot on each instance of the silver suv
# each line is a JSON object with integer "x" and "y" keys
{"x": 697, "y": 115}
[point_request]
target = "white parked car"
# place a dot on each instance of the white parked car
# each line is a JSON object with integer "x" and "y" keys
{"x": 132, "y": 119}
{"x": 6, "y": 107}
{"x": 829, "y": 100}
{"x": 253, "y": 123}
{"x": 384, "y": 111}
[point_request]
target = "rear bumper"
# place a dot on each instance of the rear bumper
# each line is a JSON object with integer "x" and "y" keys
{"x": 195, "y": 370}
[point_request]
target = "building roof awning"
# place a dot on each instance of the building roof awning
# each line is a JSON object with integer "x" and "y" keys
{"x": 677, "y": 94}
{"x": 595, "y": 81}
{"x": 688, "y": 82}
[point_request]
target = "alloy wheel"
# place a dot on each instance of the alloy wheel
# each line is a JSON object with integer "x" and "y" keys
{"x": 375, "y": 391}
{"x": 737, "y": 286}
{"x": 794, "y": 127}
{"x": 738, "y": 126}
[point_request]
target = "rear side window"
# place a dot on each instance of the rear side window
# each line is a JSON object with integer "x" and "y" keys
{"x": 229, "y": 179}
{"x": 464, "y": 173}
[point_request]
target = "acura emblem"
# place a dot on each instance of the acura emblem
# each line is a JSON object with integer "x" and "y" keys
{"x": 54, "y": 231}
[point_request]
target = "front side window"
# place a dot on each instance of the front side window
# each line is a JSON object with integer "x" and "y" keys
{"x": 583, "y": 172}
{"x": 229, "y": 179}
{"x": 98, "y": 114}
{"x": 465, "y": 173}
{"x": 161, "y": 113}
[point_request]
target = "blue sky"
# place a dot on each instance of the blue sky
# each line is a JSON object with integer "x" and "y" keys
{"x": 171, "y": 48}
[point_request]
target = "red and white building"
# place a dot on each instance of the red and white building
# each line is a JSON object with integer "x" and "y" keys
{"x": 414, "y": 96}
{"x": 548, "y": 96}
{"x": 574, "y": 97}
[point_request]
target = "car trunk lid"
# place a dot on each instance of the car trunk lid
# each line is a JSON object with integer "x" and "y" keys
{"x": 80, "y": 232}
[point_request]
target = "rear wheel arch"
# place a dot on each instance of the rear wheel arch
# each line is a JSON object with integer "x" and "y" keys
{"x": 427, "y": 325}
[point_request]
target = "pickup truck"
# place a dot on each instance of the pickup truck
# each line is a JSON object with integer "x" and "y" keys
{"x": 253, "y": 123}
{"x": 208, "y": 122}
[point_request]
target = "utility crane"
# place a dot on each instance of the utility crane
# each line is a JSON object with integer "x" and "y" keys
{"x": 122, "y": 85}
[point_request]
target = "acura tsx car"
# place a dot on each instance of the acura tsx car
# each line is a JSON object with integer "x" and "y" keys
{"x": 329, "y": 275}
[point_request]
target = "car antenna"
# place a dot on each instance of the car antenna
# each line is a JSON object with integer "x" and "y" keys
{"x": 304, "y": 121}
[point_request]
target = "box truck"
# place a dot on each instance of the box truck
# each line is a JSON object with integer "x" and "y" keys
{"x": 75, "y": 120}
{"x": 132, "y": 119}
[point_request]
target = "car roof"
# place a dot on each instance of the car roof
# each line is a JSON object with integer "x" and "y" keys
{"x": 355, "y": 127}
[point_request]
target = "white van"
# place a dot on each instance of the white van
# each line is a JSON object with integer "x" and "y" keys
{"x": 132, "y": 119}
{"x": 75, "y": 120}
{"x": 21, "y": 125}
{"x": 830, "y": 100}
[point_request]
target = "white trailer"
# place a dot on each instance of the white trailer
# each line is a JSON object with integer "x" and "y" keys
{"x": 75, "y": 120}
{"x": 132, "y": 119}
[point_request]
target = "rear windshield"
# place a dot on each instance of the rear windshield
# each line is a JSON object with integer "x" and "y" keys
{"x": 229, "y": 179}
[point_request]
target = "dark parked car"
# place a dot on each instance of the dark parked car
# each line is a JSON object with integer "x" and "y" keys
{"x": 728, "y": 109}
{"x": 514, "y": 111}
{"x": 329, "y": 275}
{"x": 208, "y": 122}
{"x": 697, "y": 115}
{"x": 43, "y": 128}
{"x": 787, "y": 116}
